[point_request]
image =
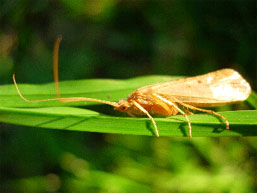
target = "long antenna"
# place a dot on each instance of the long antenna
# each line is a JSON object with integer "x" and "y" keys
{"x": 55, "y": 64}
{"x": 56, "y": 80}
{"x": 65, "y": 100}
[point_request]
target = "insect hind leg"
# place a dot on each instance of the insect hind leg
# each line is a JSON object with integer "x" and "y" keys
{"x": 186, "y": 110}
{"x": 210, "y": 112}
{"x": 203, "y": 110}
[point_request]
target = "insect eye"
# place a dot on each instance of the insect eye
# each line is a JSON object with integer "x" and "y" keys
{"x": 124, "y": 108}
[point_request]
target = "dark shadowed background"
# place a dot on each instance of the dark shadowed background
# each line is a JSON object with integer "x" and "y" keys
{"x": 123, "y": 39}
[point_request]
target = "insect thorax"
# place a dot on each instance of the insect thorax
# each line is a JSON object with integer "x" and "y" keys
{"x": 150, "y": 104}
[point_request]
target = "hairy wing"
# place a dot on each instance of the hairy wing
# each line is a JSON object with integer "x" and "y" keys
{"x": 213, "y": 89}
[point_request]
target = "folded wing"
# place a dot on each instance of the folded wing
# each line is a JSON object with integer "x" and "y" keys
{"x": 213, "y": 89}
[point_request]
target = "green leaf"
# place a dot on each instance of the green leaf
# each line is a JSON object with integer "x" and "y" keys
{"x": 252, "y": 100}
{"x": 102, "y": 118}
{"x": 105, "y": 89}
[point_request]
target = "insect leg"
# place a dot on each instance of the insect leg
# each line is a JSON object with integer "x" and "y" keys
{"x": 203, "y": 110}
{"x": 176, "y": 107}
{"x": 160, "y": 100}
{"x": 187, "y": 111}
{"x": 211, "y": 112}
{"x": 150, "y": 117}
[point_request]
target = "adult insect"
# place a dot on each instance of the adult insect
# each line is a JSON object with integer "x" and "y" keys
{"x": 217, "y": 88}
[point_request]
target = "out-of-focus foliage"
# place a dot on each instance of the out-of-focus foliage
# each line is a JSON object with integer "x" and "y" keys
{"x": 123, "y": 39}
{"x": 51, "y": 161}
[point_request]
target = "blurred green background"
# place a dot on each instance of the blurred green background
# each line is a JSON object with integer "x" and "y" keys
{"x": 123, "y": 39}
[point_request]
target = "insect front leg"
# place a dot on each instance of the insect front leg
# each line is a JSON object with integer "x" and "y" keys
{"x": 150, "y": 117}
{"x": 164, "y": 100}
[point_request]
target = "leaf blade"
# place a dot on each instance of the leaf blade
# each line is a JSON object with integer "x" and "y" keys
{"x": 105, "y": 89}
{"x": 72, "y": 118}
{"x": 57, "y": 115}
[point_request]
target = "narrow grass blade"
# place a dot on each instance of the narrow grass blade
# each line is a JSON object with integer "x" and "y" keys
{"x": 105, "y": 89}
{"x": 102, "y": 118}
{"x": 242, "y": 123}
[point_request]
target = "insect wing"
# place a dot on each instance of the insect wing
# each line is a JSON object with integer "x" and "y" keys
{"x": 213, "y": 89}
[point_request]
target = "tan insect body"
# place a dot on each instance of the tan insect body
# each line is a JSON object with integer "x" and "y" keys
{"x": 217, "y": 88}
